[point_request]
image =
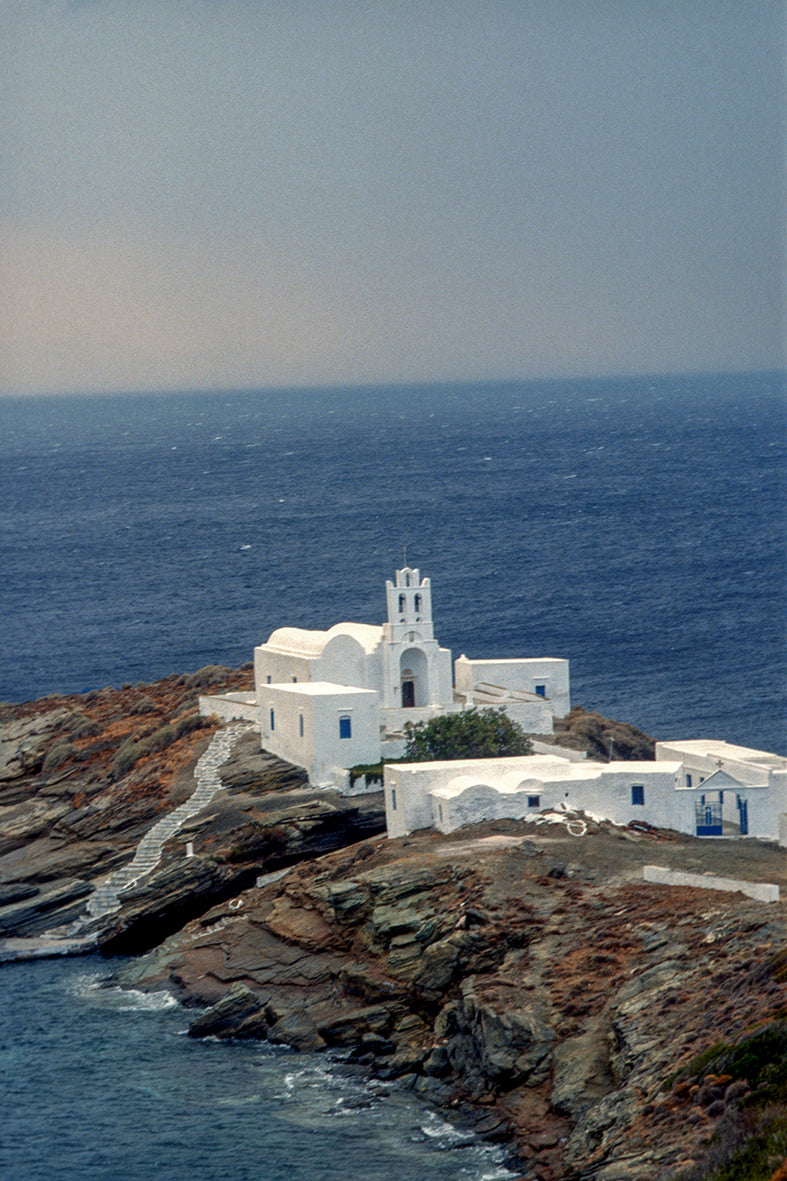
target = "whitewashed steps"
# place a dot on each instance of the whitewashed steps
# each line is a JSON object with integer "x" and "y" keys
{"x": 106, "y": 897}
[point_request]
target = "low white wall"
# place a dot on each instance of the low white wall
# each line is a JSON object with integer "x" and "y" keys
{"x": 230, "y": 707}
{"x": 563, "y": 752}
{"x": 762, "y": 891}
{"x": 408, "y": 786}
{"x": 523, "y": 675}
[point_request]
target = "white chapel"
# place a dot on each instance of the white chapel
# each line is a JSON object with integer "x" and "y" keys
{"x": 331, "y": 700}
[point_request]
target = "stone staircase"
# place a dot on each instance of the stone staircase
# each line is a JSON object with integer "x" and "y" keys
{"x": 106, "y": 897}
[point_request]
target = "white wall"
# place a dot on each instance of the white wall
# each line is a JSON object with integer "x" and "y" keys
{"x": 363, "y": 746}
{"x": 281, "y": 667}
{"x": 344, "y": 661}
{"x": 413, "y": 783}
{"x": 479, "y": 789}
{"x": 230, "y": 707}
{"x": 758, "y": 777}
{"x": 522, "y": 675}
{"x": 320, "y": 749}
{"x": 534, "y": 717}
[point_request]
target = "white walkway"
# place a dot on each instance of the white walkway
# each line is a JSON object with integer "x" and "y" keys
{"x": 106, "y": 897}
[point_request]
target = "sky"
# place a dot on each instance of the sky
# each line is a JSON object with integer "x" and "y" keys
{"x": 208, "y": 194}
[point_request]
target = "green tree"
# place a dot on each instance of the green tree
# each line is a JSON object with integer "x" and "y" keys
{"x": 470, "y": 734}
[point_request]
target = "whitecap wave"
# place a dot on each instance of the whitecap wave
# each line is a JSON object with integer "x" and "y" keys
{"x": 437, "y": 1128}
{"x": 93, "y": 987}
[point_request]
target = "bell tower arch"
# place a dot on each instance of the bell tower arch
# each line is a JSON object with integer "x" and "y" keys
{"x": 416, "y": 671}
{"x": 409, "y": 606}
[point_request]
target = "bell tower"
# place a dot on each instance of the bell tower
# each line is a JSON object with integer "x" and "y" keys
{"x": 416, "y": 671}
{"x": 409, "y": 607}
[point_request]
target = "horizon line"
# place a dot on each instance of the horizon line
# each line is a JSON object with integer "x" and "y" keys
{"x": 391, "y": 385}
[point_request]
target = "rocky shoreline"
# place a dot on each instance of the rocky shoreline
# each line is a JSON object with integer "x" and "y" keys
{"x": 593, "y": 1021}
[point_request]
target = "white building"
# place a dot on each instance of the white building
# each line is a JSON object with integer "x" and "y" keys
{"x": 331, "y": 700}
{"x": 704, "y": 788}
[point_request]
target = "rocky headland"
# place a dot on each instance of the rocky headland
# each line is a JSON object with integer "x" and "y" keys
{"x": 516, "y": 974}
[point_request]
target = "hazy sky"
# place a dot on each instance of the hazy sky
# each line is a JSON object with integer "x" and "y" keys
{"x": 213, "y": 193}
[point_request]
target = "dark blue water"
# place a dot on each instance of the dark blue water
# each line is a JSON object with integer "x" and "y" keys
{"x": 99, "y": 1085}
{"x": 636, "y": 527}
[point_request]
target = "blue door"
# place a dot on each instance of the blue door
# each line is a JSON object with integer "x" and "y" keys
{"x": 743, "y": 816}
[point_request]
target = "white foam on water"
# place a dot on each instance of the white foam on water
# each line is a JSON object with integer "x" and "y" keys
{"x": 93, "y": 987}
{"x": 437, "y": 1128}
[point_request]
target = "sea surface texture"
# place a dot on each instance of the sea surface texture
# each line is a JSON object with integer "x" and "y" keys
{"x": 99, "y": 1085}
{"x": 636, "y": 527}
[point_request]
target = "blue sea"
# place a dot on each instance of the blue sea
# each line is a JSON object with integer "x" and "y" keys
{"x": 634, "y": 526}
{"x": 102, "y": 1085}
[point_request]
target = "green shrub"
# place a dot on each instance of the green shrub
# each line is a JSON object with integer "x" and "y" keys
{"x": 130, "y": 752}
{"x": 162, "y": 738}
{"x": 143, "y": 705}
{"x": 189, "y": 723}
{"x": 470, "y": 734}
{"x": 211, "y": 674}
{"x": 372, "y": 771}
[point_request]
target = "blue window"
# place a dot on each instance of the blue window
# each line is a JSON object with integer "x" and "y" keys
{"x": 688, "y": 780}
{"x": 534, "y": 801}
{"x": 273, "y": 721}
{"x": 345, "y": 728}
{"x": 268, "y": 679}
{"x": 541, "y": 690}
{"x": 393, "y": 799}
{"x": 637, "y": 793}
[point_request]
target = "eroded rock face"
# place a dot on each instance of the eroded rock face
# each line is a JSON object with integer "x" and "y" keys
{"x": 83, "y": 778}
{"x": 535, "y": 977}
{"x": 24, "y": 742}
{"x": 562, "y": 1004}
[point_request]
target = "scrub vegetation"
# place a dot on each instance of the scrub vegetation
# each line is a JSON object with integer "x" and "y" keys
{"x": 471, "y": 734}
{"x": 751, "y": 1143}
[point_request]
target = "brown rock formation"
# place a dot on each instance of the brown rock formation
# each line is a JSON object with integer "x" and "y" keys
{"x": 603, "y": 739}
{"x": 83, "y": 778}
{"x": 534, "y": 976}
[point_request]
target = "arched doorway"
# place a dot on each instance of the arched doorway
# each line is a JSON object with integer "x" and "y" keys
{"x": 414, "y": 678}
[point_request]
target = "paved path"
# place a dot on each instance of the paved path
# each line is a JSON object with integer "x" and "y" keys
{"x": 106, "y": 897}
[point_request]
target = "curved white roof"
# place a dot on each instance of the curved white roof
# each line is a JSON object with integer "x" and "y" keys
{"x": 298, "y": 641}
{"x": 366, "y": 634}
{"x": 514, "y": 781}
{"x": 460, "y": 784}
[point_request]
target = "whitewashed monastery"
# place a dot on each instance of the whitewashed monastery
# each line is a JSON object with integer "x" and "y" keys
{"x": 329, "y": 701}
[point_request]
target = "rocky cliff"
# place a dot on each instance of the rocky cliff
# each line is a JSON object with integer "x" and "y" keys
{"x": 83, "y": 778}
{"x": 526, "y": 972}
{"x": 608, "y": 1028}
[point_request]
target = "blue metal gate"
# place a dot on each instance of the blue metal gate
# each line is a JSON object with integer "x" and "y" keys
{"x": 708, "y": 817}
